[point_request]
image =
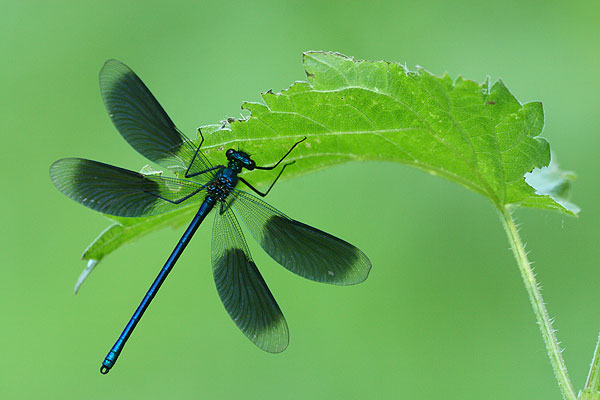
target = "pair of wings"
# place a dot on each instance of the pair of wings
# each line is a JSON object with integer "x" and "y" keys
{"x": 300, "y": 248}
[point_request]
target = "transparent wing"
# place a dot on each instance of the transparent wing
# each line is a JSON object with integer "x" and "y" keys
{"x": 304, "y": 250}
{"x": 242, "y": 289}
{"x": 145, "y": 125}
{"x": 117, "y": 191}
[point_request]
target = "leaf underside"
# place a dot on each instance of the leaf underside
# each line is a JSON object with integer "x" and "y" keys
{"x": 475, "y": 134}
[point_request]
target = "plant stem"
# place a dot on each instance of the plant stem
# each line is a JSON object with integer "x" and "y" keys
{"x": 592, "y": 384}
{"x": 539, "y": 308}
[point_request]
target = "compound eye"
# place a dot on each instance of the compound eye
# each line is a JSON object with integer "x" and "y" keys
{"x": 251, "y": 165}
{"x": 229, "y": 153}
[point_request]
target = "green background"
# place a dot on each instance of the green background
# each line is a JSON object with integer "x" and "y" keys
{"x": 443, "y": 314}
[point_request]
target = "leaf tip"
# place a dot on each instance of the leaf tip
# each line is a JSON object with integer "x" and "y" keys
{"x": 91, "y": 264}
{"x": 555, "y": 183}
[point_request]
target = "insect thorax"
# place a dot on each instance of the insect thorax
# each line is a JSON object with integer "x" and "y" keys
{"x": 220, "y": 187}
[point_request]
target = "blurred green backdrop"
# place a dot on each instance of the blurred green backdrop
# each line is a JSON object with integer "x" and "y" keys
{"x": 444, "y": 313}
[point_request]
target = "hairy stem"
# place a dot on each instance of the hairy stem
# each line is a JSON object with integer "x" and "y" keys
{"x": 539, "y": 308}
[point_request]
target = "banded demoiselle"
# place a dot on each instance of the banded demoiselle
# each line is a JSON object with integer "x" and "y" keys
{"x": 300, "y": 248}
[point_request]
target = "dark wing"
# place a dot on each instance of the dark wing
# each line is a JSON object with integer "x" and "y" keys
{"x": 117, "y": 191}
{"x": 302, "y": 249}
{"x": 145, "y": 125}
{"x": 242, "y": 289}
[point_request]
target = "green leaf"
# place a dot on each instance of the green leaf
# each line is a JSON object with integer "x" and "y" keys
{"x": 475, "y": 134}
